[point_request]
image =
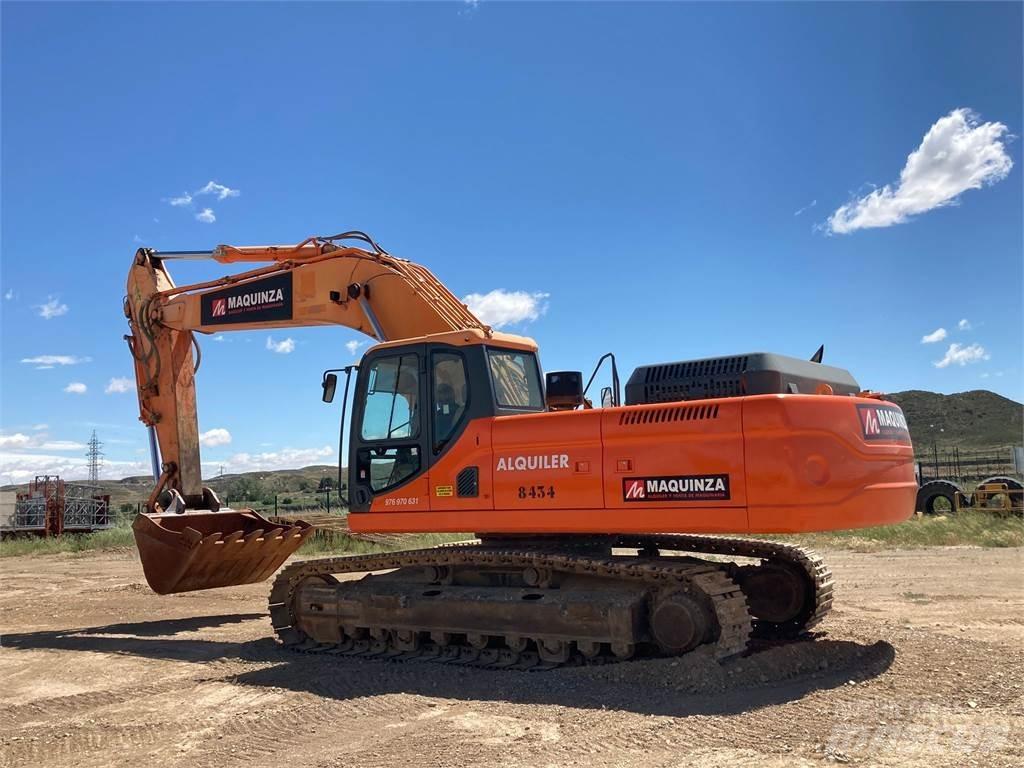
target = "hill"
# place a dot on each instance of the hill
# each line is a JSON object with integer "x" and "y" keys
{"x": 248, "y": 486}
{"x": 975, "y": 419}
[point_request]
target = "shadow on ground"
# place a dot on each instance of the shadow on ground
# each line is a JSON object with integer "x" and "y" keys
{"x": 692, "y": 685}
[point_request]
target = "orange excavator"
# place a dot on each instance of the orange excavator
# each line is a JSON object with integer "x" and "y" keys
{"x": 599, "y": 530}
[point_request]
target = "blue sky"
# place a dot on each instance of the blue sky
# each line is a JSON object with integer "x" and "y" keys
{"x": 634, "y": 172}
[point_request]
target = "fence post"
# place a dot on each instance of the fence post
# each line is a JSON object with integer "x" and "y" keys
{"x": 275, "y": 505}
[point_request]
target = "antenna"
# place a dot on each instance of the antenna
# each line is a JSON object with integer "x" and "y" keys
{"x": 95, "y": 457}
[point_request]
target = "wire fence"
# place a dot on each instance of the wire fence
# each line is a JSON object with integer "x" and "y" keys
{"x": 953, "y": 463}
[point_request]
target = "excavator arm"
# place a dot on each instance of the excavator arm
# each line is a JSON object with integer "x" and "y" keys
{"x": 317, "y": 282}
{"x": 185, "y": 540}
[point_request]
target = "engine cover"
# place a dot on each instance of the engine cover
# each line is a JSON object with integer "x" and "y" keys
{"x": 756, "y": 373}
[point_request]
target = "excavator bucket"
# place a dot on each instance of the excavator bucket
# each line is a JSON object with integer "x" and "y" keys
{"x": 202, "y": 550}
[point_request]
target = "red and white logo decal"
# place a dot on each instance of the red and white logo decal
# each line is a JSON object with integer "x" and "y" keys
{"x": 219, "y": 307}
{"x": 635, "y": 490}
{"x": 869, "y": 420}
{"x": 883, "y": 422}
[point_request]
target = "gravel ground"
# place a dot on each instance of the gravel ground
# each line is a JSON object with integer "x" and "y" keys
{"x": 920, "y": 664}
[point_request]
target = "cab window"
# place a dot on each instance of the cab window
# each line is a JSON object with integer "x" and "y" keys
{"x": 450, "y": 396}
{"x": 387, "y": 467}
{"x": 391, "y": 408}
{"x": 516, "y": 379}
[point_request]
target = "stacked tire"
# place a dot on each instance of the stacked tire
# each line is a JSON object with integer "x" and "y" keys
{"x": 939, "y": 497}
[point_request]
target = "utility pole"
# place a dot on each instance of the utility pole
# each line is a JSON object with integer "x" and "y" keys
{"x": 95, "y": 457}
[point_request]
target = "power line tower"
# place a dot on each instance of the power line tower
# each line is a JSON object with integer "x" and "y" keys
{"x": 95, "y": 457}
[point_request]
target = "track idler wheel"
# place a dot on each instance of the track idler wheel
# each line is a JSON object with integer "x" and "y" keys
{"x": 679, "y": 623}
{"x": 779, "y": 597}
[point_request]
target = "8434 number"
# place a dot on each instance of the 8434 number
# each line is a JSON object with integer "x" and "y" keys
{"x": 536, "y": 491}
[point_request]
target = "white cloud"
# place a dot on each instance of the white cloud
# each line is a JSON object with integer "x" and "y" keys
{"x": 214, "y": 437}
{"x": 283, "y": 347}
{"x": 984, "y": 375}
{"x": 9, "y": 294}
{"x": 39, "y": 427}
{"x": 964, "y": 325}
{"x": 806, "y": 207}
{"x": 17, "y": 440}
{"x": 62, "y": 445}
{"x": 286, "y": 458}
{"x": 119, "y": 385}
{"x": 22, "y": 467}
{"x": 499, "y": 307}
{"x": 76, "y": 388}
{"x": 961, "y": 355}
{"x": 353, "y": 346}
{"x": 937, "y": 335}
{"x": 52, "y": 360}
{"x": 206, "y": 216}
{"x": 222, "y": 192}
{"x": 957, "y": 154}
{"x": 52, "y": 308}
{"x": 184, "y": 199}
{"x": 44, "y": 367}
{"x": 220, "y": 337}
{"x": 20, "y": 441}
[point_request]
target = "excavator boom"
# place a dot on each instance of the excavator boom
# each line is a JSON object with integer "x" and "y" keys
{"x": 185, "y": 540}
{"x": 313, "y": 283}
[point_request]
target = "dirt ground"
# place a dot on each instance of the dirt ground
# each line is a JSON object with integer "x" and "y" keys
{"x": 921, "y": 663}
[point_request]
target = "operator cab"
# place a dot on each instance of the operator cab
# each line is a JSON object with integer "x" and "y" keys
{"x": 412, "y": 401}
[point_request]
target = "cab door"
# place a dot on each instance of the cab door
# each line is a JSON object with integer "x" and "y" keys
{"x": 390, "y": 433}
{"x": 460, "y": 430}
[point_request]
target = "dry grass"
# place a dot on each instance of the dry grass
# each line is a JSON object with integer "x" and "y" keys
{"x": 113, "y": 538}
{"x": 973, "y": 529}
{"x": 977, "y": 529}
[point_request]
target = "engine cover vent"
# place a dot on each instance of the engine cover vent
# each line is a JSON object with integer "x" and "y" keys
{"x": 662, "y": 415}
{"x": 756, "y": 373}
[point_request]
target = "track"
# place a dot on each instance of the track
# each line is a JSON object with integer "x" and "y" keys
{"x": 739, "y": 602}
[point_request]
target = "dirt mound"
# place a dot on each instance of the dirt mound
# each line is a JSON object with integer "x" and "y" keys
{"x": 700, "y": 673}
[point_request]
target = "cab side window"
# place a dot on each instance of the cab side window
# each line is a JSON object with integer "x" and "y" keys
{"x": 450, "y": 394}
{"x": 516, "y": 378}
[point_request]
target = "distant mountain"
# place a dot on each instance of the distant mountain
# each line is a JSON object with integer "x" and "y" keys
{"x": 975, "y": 419}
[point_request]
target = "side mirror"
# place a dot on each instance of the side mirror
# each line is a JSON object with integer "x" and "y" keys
{"x": 564, "y": 390}
{"x": 330, "y": 383}
{"x": 606, "y": 397}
